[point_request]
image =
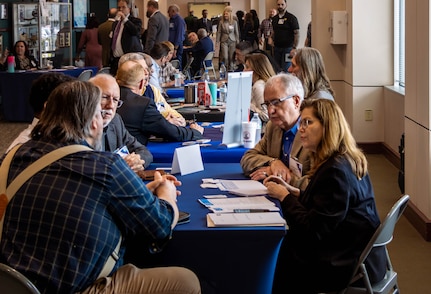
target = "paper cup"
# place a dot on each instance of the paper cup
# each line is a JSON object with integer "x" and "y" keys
{"x": 248, "y": 134}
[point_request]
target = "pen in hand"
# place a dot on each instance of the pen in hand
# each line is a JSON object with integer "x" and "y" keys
{"x": 250, "y": 210}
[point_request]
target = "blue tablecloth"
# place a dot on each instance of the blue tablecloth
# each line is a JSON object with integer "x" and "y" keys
{"x": 15, "y": 90}
{"x": 226, "y": 260}
{"x": 175, "y": 92}
{"x": 163, "y": 152}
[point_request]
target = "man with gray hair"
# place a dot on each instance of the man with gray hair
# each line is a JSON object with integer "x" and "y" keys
{"x": 280, "y": 152}
{"x": 67, "y": 225}
{"x": 116, "y": 138}
{"x": 200, "y": 50}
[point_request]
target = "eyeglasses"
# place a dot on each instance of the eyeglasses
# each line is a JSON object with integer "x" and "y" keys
{"x": 115, "y": 100}
{"x": 304, "y": 123}
{"x": 275, "y": 102}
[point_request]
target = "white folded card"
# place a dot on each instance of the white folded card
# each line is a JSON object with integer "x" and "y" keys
{"x": 187, "y": 160}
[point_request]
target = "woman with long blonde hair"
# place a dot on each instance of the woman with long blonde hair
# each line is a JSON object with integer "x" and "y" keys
{"x": 227, "y": 37}
{"x": 262, "y": 71}
{"x": 332, "y": 220}
{"x": 307, "y": 64}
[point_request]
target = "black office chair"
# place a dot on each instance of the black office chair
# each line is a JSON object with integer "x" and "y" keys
{"x": 13, "y": 282}
{"x": 186, "y": 69}
{"x": 381, "y": 237}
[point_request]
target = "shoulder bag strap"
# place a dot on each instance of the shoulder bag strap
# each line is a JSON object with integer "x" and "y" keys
{"x": 6, "y": 193}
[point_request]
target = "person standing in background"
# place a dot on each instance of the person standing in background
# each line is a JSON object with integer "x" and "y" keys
{"x": 89, "y": 40}
{"x": 177, "y": 29}
{"x": 285, "y": 35}
{"x": 307, "y": 42}
{"x": 205, "y": 23}
{"x": 228, "y": 36}
{"x": 265, "y": 32}
{"x": 191, "y": 21}
{"x": 103, "y": 38}
{"x": 158, "y": 26}
{"x": 126, "y": 33}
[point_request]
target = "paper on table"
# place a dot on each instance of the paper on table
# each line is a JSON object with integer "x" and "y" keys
{"x": 245, "y": 219}
{"x": 243, "y": 187}
{"x": 227, "y": 205}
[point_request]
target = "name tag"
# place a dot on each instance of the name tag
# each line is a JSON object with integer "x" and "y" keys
{"x": 281, "y": 21}
{"x": 171, "y": 25}
{"x": 230, "y": 28}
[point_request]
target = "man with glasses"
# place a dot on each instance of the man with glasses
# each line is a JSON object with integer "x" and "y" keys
{"x": 116, "y": 138}
{"x": 279, "y": 152}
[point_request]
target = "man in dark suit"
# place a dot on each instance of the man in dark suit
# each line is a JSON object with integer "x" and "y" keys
{"x": 205, "y": 22}
{"x": 115, "y": 134}
{"x": 200, "y": 50}
{"x": 126, "y": 33}
{"x": 158, "y": 26}
{"x": 103, "y": 36}
{"x": 140, "y": 114}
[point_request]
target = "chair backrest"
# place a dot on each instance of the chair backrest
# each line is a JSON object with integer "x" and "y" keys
{"x": 208, "y": 60}
{"x": 186, "y": 69}
{"x": 105, "y": 70}
{"x": 175, "y": 63}
{"x": 383, "y": 234}
{"x": 12, "y": 281}
{"x": 85, "y": 75}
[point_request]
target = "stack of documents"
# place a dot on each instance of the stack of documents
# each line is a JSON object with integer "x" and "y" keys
{"x": 239, "y": 211}
{"x": 239, "y": 204}
{"x": 245, "y": 219}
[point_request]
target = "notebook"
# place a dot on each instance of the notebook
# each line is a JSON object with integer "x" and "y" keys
{"x": 243, "y": 187}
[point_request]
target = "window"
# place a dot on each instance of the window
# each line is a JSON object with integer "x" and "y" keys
{"x": 399, "y": 41}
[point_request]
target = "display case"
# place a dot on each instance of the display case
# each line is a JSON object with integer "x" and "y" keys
{"x": 46, "y": 28}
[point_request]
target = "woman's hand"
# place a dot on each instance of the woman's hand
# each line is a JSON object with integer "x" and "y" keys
{"x": 276, "y": 190}
{"x": 278, "y": 181}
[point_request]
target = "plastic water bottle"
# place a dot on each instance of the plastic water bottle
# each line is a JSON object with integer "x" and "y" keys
{"x": 11, "y": 63}
{"x": 223, "y": 93}
{"x": 258, "y": 122}
{"x": 222, "y": 71}
{"x": 206, "y": 76}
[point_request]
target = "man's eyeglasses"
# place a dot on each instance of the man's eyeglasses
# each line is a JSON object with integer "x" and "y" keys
{"x": 115, "y": 100}
{"x": 276, "y": 102}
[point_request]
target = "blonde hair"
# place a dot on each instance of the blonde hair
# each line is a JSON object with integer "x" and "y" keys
{"x": 337, "y": 137}
{"x": 312, "y": 71}
{"x": 260, "y": 65}
{"x": 169, "y": 44}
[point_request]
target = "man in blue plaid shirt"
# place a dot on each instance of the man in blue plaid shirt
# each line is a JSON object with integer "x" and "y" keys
{"x": 66, "y": 221}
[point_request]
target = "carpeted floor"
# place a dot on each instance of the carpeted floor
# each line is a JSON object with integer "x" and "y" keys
{"x": 410, "y": 254}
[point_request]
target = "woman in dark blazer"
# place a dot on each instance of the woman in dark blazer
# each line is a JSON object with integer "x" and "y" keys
{"x": 332, "y": 220}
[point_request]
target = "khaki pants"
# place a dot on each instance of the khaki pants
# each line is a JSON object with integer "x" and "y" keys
{"x": 130, "y": 279}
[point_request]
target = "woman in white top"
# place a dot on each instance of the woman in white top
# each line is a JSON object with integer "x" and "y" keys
{"x": 262, "y": 71}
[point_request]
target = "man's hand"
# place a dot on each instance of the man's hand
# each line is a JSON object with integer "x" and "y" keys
{"x": 176, "y": 120}
{"x": 197, "y": 127}
{"x": 261, "y": 173}
{"x": 134, "y": 161}
{"x": 279, "y": 169}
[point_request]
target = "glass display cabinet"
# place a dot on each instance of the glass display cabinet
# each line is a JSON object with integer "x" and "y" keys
{"x": 46, "y": 27}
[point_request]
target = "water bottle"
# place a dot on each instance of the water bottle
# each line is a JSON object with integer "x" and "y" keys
{"x": 223, "y": 93}
{"x": 222, "y": 72}
{"x": 258, "y": 122}
{"x": 206, "y": 76}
